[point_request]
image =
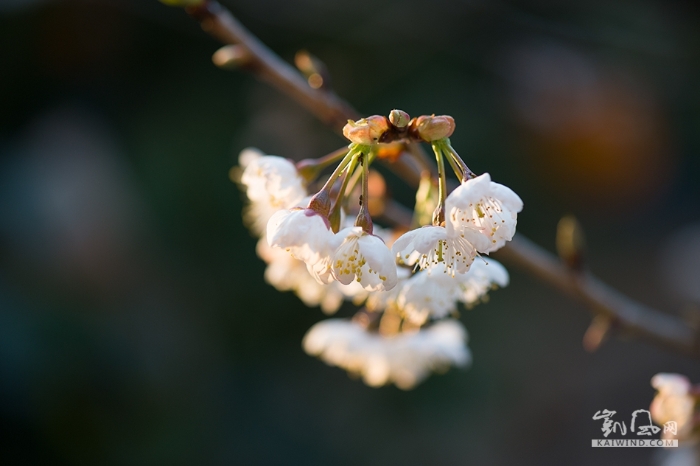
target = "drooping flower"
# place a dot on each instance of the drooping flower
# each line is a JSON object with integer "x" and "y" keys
{"x": 382, "y": 300}
{"x": 436, "y": 295}
{"x": 483, "y": 276}
{"x": 483, "y": 212}
{"x": 365, "y": 258}
{"x": 286, "y": 273}
{"x": 429, "y": 294}
{"x": 404, "y": 359}
{"x": 432, "y": 245}
{"x": 432, "y": 349}
{"x": 303, "y": 232}
{"x": 271, "y": 178}
{"x": 673, "y": 403}
{"x": 271, "y": 183}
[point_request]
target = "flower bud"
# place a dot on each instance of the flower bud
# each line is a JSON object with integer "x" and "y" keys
{"x": 231, "y": 56}
{"x": 367, "y": 130}
{"x": 433, "y": 128}
{"x": 399, "y": 118}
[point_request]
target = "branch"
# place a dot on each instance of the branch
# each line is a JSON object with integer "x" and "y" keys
{"x": 269, "y": 67}
{"x": 646, "y": 323}
{"x": 640, "y": 320}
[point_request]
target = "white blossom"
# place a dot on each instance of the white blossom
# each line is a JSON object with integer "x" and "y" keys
{"x": 483, "y": 276}
{"x": 429, "y": 294}
{"x": 365, "y": 258}
{"x": 432, "y": 245}
{"x": 435, "y": 295}
{"x": 271, "y": 183}
{"x": 271, "y": 179}
{"x": 302, "y": 232}
{"x": 673, "y": 402}
{"x": 286, "y": 273}
{"x": 483, "y": 212}
{"x": 404, "y": 359}
{"x": 381, "y": 300}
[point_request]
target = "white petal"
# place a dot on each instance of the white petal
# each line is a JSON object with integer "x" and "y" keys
{"x": 421, "y": 239}
{"x": 301, "y": 231}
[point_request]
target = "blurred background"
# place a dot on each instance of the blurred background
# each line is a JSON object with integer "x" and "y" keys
{"x": 135, "y": 324}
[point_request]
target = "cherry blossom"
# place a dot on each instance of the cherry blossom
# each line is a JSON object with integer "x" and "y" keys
{"x": 483, "y": 212}
{"x": 364, "y": 257}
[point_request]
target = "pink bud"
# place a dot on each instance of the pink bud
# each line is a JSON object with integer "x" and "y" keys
{"x": 433, "y": 128}
{"x": 367, "y": 130}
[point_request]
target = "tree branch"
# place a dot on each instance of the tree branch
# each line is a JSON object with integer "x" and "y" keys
{"x": 269, "y": 67}
{"x": 646, "y": 323}
{"x": 638, "y": 319}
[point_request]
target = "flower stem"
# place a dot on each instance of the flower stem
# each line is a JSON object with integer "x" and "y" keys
{"x": 364, "y": 218}
{"x": 467, "y": 173}
{"x": 309, "y": 169}
{"x": 439, "y": 214}
{"x": 456, "y": 168}
{"x": 338, "y": 203}
{"x": 354, "y": 150}
{"x": 321, "y": 201}
{"x": 358, "y": 174}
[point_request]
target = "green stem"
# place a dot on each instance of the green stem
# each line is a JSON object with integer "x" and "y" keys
{"x": 321, "y": 201}
{"x": 353, "y": 182}
{"x": 354, "y": 150}
{"x": 337, "y": 205}
{"x": 364, "y": 219}
{"x": 309, "y": 169}
{"x": 456, "y": 168}
{"x": 439, "y": 214}
{"x": 358, "y": 174}
{"x": 468, "y": 174}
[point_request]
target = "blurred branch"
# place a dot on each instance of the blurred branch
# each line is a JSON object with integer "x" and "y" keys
{"x": 269, "y": 67}
{"x": 624, "y": 313}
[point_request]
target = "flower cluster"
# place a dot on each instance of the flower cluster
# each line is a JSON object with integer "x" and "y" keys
{"x": 411, "y": 286}
{"x": 271, "y": 185}
{"x": 404, "y": 359}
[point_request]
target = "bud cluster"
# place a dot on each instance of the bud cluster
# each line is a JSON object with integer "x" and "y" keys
{"x": 399, "y": 126}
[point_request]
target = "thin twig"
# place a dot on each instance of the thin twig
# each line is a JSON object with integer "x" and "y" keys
{"x": 638, "y": 319}
{"x": 269, "y": 67}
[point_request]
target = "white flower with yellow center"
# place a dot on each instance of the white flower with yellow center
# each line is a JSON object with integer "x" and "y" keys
{"x": 365, "y": 258}
{"x": 483, "y": 212}
{"x": 432, "y": 245}
{"x": 286, "y": 273}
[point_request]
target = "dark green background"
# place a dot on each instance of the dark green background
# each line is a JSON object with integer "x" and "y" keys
{"x": 135, "y": 325}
